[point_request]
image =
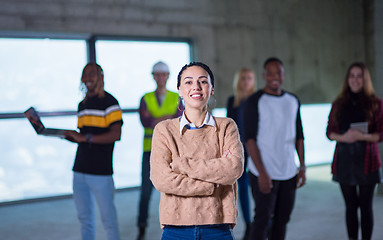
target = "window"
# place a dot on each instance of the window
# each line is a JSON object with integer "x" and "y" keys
{"x": 127, "y": 69}
{"x": 318, "y": 149}
{"x": 45, "y": 73}
{"x": 128, "y": 66}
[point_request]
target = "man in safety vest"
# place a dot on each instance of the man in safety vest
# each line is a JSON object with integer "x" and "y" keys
{"x": 154, "y": 107}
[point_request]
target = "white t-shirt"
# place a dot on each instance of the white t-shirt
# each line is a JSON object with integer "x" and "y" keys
{"x": 277, "y": 125}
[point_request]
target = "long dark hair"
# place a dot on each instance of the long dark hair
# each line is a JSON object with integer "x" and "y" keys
{"x": 368, "y": 99}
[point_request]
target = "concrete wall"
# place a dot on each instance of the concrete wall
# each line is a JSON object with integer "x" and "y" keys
{"x": 316, "y": 39}
{"x": 378, "y": 47}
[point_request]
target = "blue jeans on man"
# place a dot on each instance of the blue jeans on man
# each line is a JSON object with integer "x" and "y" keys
{"x": 86, "y": 188}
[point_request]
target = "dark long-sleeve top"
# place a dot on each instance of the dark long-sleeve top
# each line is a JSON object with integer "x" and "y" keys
{"x": 236, "y": 113}
{"x": 372, "y": 161}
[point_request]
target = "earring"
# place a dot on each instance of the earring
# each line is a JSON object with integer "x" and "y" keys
{"x": 180, "y": 102}
{"x": 215, "y": 103}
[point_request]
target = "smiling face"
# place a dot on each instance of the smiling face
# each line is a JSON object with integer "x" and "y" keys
{"x": 355, "y": 79}
{"x": 91, "y": 79}
{"x": 274, "y": 76}
{"x": 195, "y": 88}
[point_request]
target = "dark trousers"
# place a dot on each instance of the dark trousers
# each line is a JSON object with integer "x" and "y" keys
{"x": 146, "y": 190}
{"x": 272, "y": 210}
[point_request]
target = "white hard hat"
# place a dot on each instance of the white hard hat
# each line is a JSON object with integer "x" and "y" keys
{"x": 160, "y": 67}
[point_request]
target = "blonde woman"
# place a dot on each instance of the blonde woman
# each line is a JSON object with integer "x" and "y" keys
{"x": 356, "y": 163}
{"x": 244, "y": 85}
{"x": 195, "y": 163}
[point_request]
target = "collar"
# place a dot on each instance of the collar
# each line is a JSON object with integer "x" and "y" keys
{"x": 184, "y": 123}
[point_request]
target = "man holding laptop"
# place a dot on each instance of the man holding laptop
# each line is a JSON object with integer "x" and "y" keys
{"x": 99, "y": 121}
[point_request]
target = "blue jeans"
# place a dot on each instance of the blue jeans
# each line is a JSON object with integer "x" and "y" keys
{"x": 146, "y": 190}
{"x": 272, "y": 210}
{"x": 198, "y": 232}
{"x": 86, "y": 188}
{"x": 243, "y": 191}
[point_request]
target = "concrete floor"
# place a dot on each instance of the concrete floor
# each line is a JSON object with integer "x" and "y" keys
{"x": 318, "y": 215}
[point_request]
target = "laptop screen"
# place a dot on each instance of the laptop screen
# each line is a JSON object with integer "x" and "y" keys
{"x": 34, "y": 119}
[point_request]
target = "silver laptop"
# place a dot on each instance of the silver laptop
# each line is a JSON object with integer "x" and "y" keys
{"x": 35, "y": 120}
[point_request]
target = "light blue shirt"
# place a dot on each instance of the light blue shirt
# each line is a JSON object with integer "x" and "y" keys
{"x": 184, "y": 123}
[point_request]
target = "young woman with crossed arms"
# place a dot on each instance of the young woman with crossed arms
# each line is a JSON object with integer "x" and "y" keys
{"x": 195, "y": 163}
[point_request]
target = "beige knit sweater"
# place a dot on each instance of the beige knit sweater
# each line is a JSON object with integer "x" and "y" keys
{"x": 197, "y": 183}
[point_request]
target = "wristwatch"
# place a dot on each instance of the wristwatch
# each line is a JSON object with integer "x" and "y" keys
{"x": 89, "y": 138}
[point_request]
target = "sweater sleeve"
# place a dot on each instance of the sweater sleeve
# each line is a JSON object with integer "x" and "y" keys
{"x": 162, "y": 175}
{"x": 224, "y": 170}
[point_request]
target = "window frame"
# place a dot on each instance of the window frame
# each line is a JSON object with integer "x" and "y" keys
{"x": 90, "y": 41}
{"x": 91, "y": 57}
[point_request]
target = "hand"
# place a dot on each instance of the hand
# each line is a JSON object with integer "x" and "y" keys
{"x": 171, "y": 164}
{"x": 145, "y": 113}
{"x": 352, "y": 136}
{"x": 74, "y": 136}
{"x": 301, "y": 177}
{"x": 264, "y": 183}
{"x": 174, "y": 165}
{"x": 226, "y": 153}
